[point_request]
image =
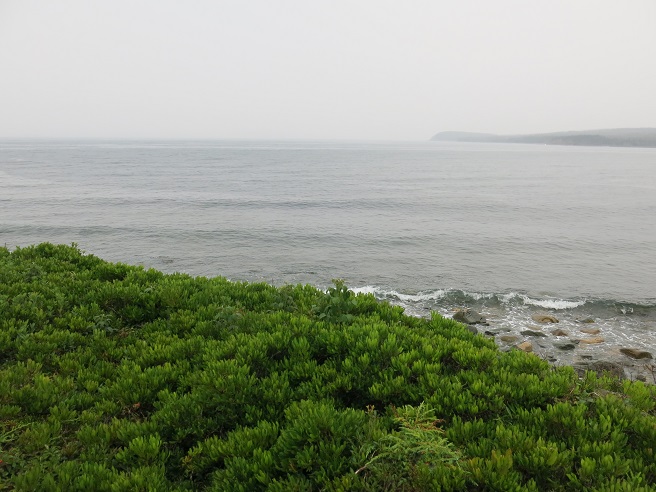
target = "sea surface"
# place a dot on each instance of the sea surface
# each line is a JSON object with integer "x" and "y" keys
{"x": 510, "y": 230}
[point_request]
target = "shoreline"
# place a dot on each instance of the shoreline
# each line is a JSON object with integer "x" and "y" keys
{"x": 585, "y": 336}
{"x": 105, "y": 363}
{"x": 587, "y": 345}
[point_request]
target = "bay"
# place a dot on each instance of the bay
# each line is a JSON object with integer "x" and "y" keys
{"x": 508, "y": 229}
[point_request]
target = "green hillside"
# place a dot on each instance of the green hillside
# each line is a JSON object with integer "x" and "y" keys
{"x": 117, "y": 378}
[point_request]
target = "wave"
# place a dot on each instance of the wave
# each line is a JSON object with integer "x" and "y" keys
{"x": 556, "y": 304}
{"x": 380, "y": 292}
{"x": 508, "y": 300}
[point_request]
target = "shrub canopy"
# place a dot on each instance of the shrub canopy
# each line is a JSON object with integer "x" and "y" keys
{"x": 114, "y": 377}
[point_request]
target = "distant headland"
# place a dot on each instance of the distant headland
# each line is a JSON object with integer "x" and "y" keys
{"x": 616, "y": 137}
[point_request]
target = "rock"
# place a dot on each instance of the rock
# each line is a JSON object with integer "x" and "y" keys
{"x": 472, "y": 329}
{"x": 469, "y": 317}
{"x": 509, "y": 338}
{"x": 560, "y": 333}
{"x": 525, "y": 346}
{"x": 565, "y": 346}
{"x": 600, "y": 367}
{"x": 590, "y": 331}
{"x": 603, "y": 366}
{"x": 531, "y": 333}
{"x": 544, "y": 318}
{"x": 592, "y": 340}
{"x": 636, "y": 353}
{"x": 585, "y": 320}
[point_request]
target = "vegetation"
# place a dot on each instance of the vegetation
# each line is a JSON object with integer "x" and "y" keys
{"x": 114, "y": 378}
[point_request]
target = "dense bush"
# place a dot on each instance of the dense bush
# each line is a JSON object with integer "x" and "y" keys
{"x": 117, "y": 378}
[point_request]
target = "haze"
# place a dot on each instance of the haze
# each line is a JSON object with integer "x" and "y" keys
{"x": 323, "y": 69}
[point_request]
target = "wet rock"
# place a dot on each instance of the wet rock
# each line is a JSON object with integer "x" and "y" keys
{"x": 614, "y": 368}
{"x": 600, "y": 367}
{"x": 585, "y": 320}
{"x": 590, "y": 331}
{"x": 472, "y": 329}
{"x": 532, "y": 333}
{"x": 509, "y": 338}
{"x": 525, "y": 346}
{"x": 559, "y": 333}
{"x": 544, "y": 318}
{"x": 469, "y": 317}
{"x": 636, "y": 353}
{"x": 490, "y": 333}
{"x": 565, "y": 346}
{"x": 593, "y": 340}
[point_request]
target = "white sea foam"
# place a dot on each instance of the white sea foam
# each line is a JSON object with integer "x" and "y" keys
{"x": 420, "y": 297}
{"x": 552, "y": 303}
{"x": 543, "y": 303}
{"x": 435, "y": 295}
{"x": 477, "y": 296}
{"x": 367, "y": 289}
{"x": 506, "y": 298}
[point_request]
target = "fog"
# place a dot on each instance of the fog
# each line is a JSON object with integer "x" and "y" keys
{"x": 318, "y": 69}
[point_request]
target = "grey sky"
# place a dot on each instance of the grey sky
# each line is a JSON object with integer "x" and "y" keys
{"x": 357, "y": 69}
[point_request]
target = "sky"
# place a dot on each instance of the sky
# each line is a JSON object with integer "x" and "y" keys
{"x": 319, "y": 69}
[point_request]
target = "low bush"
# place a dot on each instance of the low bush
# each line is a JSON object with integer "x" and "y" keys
{"x": 114, "y": 377}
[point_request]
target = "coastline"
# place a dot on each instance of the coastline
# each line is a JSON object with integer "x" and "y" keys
{"x": 587, "y": 344}
{"x": 107, "y": 363}
{"x": 616, "y": 137}
{"x": 588, "y": 335}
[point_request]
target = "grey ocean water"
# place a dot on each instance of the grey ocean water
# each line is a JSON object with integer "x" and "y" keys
{"x": 508, "y": 229}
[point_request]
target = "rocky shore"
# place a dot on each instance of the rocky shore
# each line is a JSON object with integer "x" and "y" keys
{"x": 581, "y": 344}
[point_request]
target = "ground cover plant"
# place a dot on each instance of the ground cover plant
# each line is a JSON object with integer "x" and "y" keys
{"x": 114, "y": 377}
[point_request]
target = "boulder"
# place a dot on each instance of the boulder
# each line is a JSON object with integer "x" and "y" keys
{"x": 525, "y": 346}
{"x": 590, "y": 331}
{"x": 469, "y": 317}
{"x": 532, "y": 333}
{"x": 565, "y": 346}
{"x": 585, "y": 320}
{"x": 544, "y": 318}
{"x": 559, "y": 333}
{"x": 509, "y": 338}
{"x": 592, "y": 340}
{"x": 636, "y": 353}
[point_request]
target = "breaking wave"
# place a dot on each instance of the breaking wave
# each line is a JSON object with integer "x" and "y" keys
{"x": 457, "y": 298}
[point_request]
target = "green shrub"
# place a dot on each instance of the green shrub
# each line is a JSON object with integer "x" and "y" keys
{"x": 114, "y": 377}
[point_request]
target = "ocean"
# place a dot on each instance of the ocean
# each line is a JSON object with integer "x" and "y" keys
{"x": 510, "y": 230}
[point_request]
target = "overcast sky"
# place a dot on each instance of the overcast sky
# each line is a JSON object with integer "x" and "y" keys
{"x": 356, "y": 69}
